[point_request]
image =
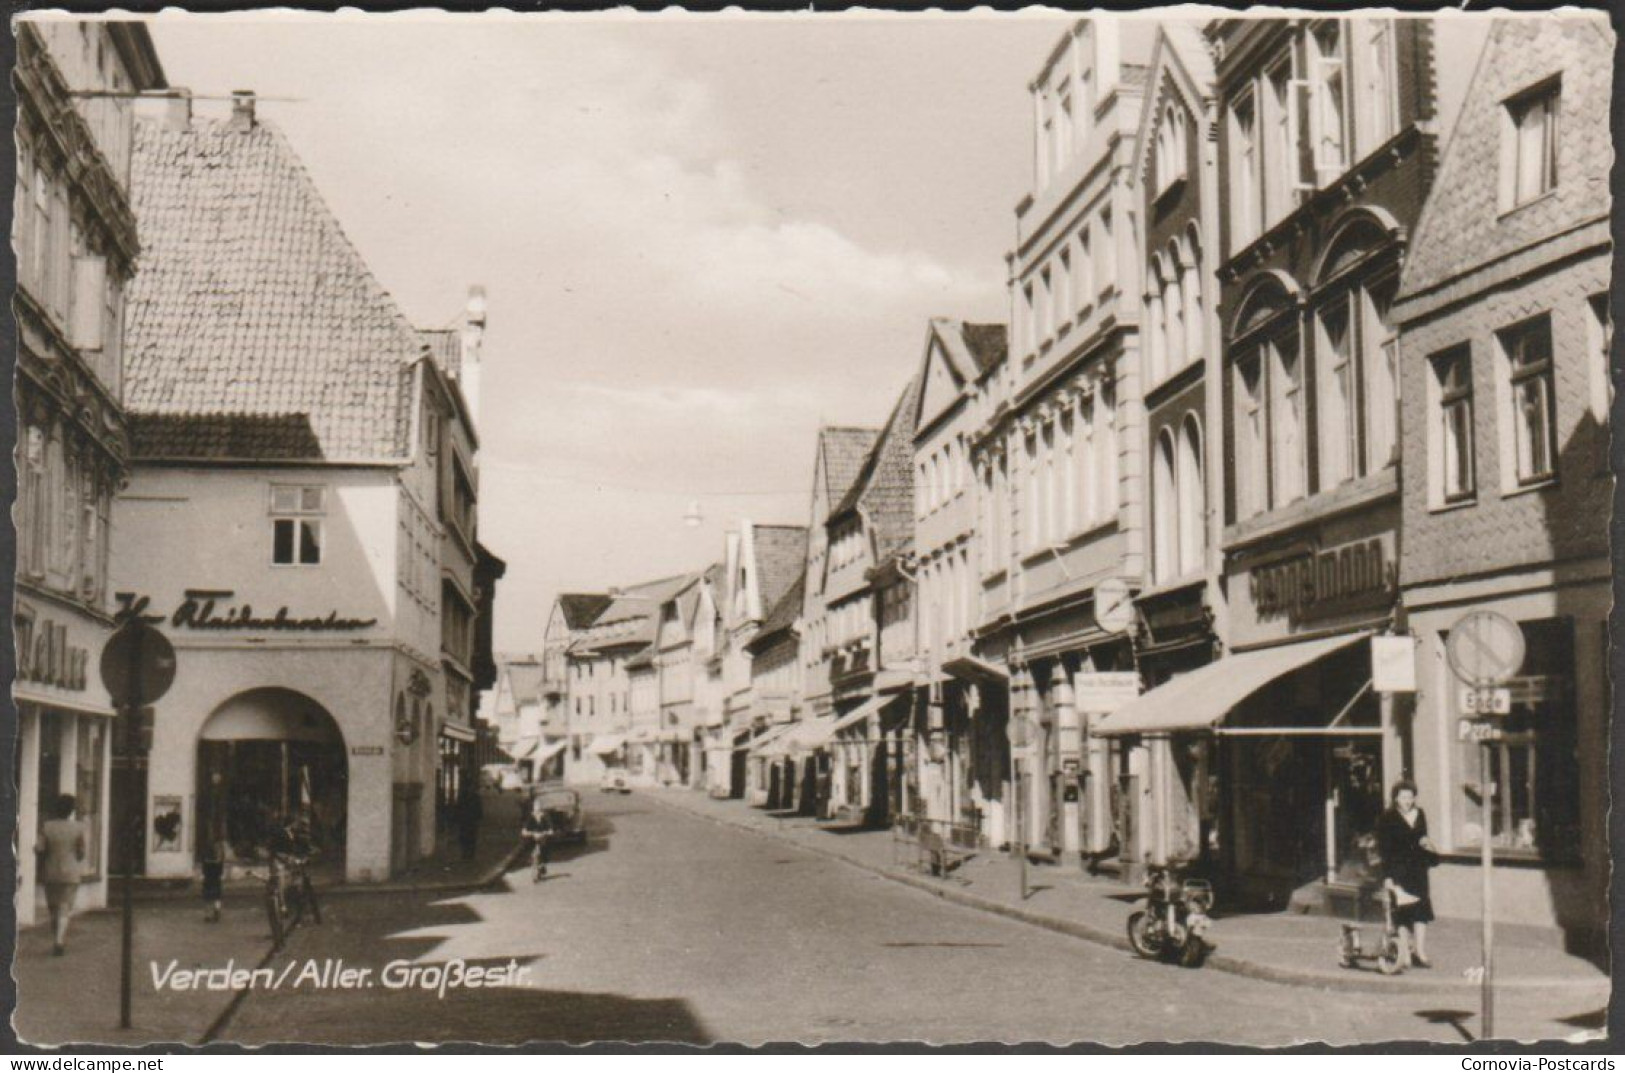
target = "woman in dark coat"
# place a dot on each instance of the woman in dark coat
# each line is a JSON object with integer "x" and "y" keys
{"x": 1407, "y": 854}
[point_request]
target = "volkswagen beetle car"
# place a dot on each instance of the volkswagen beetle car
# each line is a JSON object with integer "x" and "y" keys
{"x": 563, "y": 809}
{"x": 615, "y": 781}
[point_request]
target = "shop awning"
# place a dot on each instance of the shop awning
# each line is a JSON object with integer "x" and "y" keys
{"x": 642, "y": 736}
{"x": 860, "y": 713}
{"x": 457, "y": 731}
{"x": 607, "y": 743}
{"x": 979, "y": 671}
{"x": 548, "y": 752}
{"x": 526, "y": 750}
{"x": 768, "y": 736}
{"x": 809, "y": 736}
{"x": 1200, "y": 699}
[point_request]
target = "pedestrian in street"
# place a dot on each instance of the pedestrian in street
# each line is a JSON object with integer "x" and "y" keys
{"x": 538, "y": 831}
{"x": 470, "y": 812}
{"x": 61, "y": 852}
{"x": 214, "y": 874}
{"x": 1407, "y": 854}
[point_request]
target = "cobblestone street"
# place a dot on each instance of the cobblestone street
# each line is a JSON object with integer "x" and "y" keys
{"x": 669, "y": 927}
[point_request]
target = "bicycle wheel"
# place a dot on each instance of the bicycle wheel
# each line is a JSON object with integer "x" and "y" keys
{"x": 273, "y": 913}
{"x": 310, "y": 899}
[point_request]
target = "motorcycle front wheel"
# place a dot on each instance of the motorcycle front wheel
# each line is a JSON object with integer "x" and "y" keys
{"x": 1193, "y": 953}
{"x": 1141, "y": 934}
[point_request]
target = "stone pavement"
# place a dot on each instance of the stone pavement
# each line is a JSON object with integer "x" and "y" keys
{"x": 61, "y": 1000}
{"x": 75, "y": 997}
{"x": 1283, "y": 947}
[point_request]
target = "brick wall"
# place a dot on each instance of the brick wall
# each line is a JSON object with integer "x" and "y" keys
{"x": 1565, "y": 520}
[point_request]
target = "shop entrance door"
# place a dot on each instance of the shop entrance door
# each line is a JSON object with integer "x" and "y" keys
{"x": 1353, "y": 806}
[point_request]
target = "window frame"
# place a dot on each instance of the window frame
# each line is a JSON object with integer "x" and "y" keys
{"x": 1549, "y": 93}
{"x": 301, "y": 519}
{"x": 1454, "y": 396}
{"x": 1519, "y": 371}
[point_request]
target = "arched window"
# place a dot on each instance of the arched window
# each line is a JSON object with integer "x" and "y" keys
{"x": 1173, "y": 311}
{"x": 1156, "y": 346}
{"x": 1192, "y": 491}
{"x": 1171, "y": 149}
{"x": 1194, "y": 331}
{"x": 1164, "y": 511}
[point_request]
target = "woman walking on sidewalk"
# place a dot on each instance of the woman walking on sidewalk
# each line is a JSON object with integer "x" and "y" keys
{"x": 61, "y": 850}
{"x": 1407, "y": 854}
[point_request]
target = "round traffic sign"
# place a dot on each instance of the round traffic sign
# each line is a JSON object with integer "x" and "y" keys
{"x": 138, "y": 665}
{"x": 1485, "y": 648}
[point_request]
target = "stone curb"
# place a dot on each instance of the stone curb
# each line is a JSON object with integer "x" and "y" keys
{"x": 1350, "y": 981}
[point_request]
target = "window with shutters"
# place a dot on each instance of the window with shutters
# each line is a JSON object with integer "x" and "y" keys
{"x": 296, "y": 524}
{"x": 1328, "y": 89}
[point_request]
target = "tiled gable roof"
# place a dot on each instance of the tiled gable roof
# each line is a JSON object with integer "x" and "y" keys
{"x": 781, "y": 554}
{"x": 446, "y": 347}
{"x": 582, "y": 608}
{"x": 986, "y": 343}
{"x": 782, "y": 616}
{"x": 845, "y": 450}
{"x": 888, "y": 494}
{"x": 885, "y": 488}
{"x": 254, "y": 328}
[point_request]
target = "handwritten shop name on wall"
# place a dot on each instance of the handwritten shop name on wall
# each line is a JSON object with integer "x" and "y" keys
{"x": 211, "y": 609}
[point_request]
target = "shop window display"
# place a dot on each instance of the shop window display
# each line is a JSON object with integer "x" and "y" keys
{"x": 1535, "y": 811}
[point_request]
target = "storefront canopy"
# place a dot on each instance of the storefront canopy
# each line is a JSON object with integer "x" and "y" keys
{"x": 1200, "y": 699}
{"x": 809, "y": 736}
{"x": 458, "y": 731}
{"x": 860, "y": 713}
{"x": 548, "y": 752}
{"x": 607, "y": 743}
{"x": 766, "y": 737}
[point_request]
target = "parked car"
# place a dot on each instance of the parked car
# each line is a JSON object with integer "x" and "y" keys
{"x": 512, "y": 779}
{"x": 615, "y": 781}
{"x": 563, "y": 808}
{"x": 491, "y": 775}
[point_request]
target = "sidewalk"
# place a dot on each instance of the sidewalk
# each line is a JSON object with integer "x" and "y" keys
{"x": 75, "y": 998}
{"x": 445, "y": 869}
{"x": 1282, "y": 947}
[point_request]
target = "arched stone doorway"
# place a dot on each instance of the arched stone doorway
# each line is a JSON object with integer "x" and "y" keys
{"x": 262, "y": 755}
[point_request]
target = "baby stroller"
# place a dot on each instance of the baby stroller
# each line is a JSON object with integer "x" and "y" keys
{"x": 1387, "y": 949}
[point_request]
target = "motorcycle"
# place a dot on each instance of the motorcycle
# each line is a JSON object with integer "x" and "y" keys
{"x": 1173, "y": 925}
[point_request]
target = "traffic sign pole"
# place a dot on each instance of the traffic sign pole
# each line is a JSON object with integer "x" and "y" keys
{"x": 1486, "y": 864}
{"x": 137, "y": 667}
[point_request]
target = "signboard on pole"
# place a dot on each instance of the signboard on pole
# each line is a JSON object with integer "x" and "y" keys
{"x": 1393, "y": 664}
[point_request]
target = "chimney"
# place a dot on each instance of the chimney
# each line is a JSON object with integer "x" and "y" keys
{"x": 178, "y": 109}
{"x": 473, "y": 344}
{"x": 242, "y": 110}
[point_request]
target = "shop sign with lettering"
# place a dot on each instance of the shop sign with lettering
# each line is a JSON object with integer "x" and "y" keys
{"x": 211, "y": 609}
{"x": 1313, "y": 583}
{"x": 45, "y": 657}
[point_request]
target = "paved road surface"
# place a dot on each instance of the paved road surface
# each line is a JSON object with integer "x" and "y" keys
{"x": 670, "y": 927}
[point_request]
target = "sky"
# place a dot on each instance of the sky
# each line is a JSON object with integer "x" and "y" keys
{"x": 701, "y": 236}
